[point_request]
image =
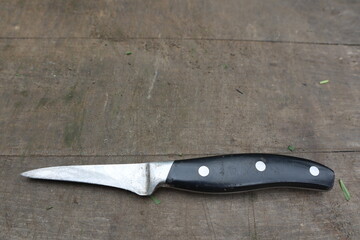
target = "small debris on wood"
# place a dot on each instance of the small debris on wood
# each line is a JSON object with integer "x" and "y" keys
{"x": 345, "y": 190}
{"x": 225, "y": 66}
{"x": 239, "y": 91}
{"x": 155, "y": 200}
{"x": 48, "y": 208}
{"x": 291, "y": 148}
{"x": 128, "y": 53}
{"x": 324, "y": 82}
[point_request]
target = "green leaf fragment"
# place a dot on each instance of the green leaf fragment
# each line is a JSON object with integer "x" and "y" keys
{"x": 48, "y": 208}
{"x": 291, "y": 148}
{"x": 225, "y": 66}
{"x": 128, "y": 53}
{"x": 324, "y": 82}
{"x": 155, "y": 200}
{"x": 345, "y": 190}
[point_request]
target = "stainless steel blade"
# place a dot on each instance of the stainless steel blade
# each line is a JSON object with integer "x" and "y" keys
{"x": 140, "y": 178}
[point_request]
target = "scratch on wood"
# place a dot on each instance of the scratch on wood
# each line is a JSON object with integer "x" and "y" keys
{"x": 302, "y": 207}
{"x": 208, "y": 220}
{"x": 254, "y": 218}
{"x": 187, "y": 227}
{"x": 106, "y": 101}
{"x": 8, "y": 222}
{"x": 248, "y": 220}
{"x": 152, "y": 84}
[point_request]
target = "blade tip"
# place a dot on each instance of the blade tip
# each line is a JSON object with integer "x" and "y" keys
{"x": 26, "y": 174}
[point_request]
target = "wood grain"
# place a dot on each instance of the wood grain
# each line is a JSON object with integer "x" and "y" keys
{"x": 322, "y": 21}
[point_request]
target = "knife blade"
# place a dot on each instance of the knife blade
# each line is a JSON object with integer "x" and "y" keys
{"x": 215, "y": 174}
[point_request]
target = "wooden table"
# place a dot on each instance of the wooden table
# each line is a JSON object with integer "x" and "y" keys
{"x": 204, "y": 77}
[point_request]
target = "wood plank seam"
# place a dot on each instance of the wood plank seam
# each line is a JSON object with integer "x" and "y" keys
{"x": 182, "y": 39}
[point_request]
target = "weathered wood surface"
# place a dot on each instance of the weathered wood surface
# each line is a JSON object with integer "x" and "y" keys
{"x": 204, "y": 77}
{"x": 87, "y": 97}
{"x": 320, "y": 21}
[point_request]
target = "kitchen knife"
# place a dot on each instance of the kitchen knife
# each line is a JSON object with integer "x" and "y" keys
{"x": 216, "y": 174}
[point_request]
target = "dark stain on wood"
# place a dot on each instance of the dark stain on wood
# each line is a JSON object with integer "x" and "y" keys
{"x": 42, "y": 102}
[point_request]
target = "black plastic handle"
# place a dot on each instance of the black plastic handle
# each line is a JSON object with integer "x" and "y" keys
{"x": 244, "y": 172}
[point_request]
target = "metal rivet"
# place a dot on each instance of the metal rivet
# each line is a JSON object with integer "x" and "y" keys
{"x": 314, "y": 171}
{"x": 203, "y": 171}
{"x": 260, "y": 166}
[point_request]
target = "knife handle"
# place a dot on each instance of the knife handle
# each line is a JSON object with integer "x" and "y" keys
{"x": 245, "y": 172}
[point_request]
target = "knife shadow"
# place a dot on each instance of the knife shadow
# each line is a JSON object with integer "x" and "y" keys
{"x": 267, "y": 193}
